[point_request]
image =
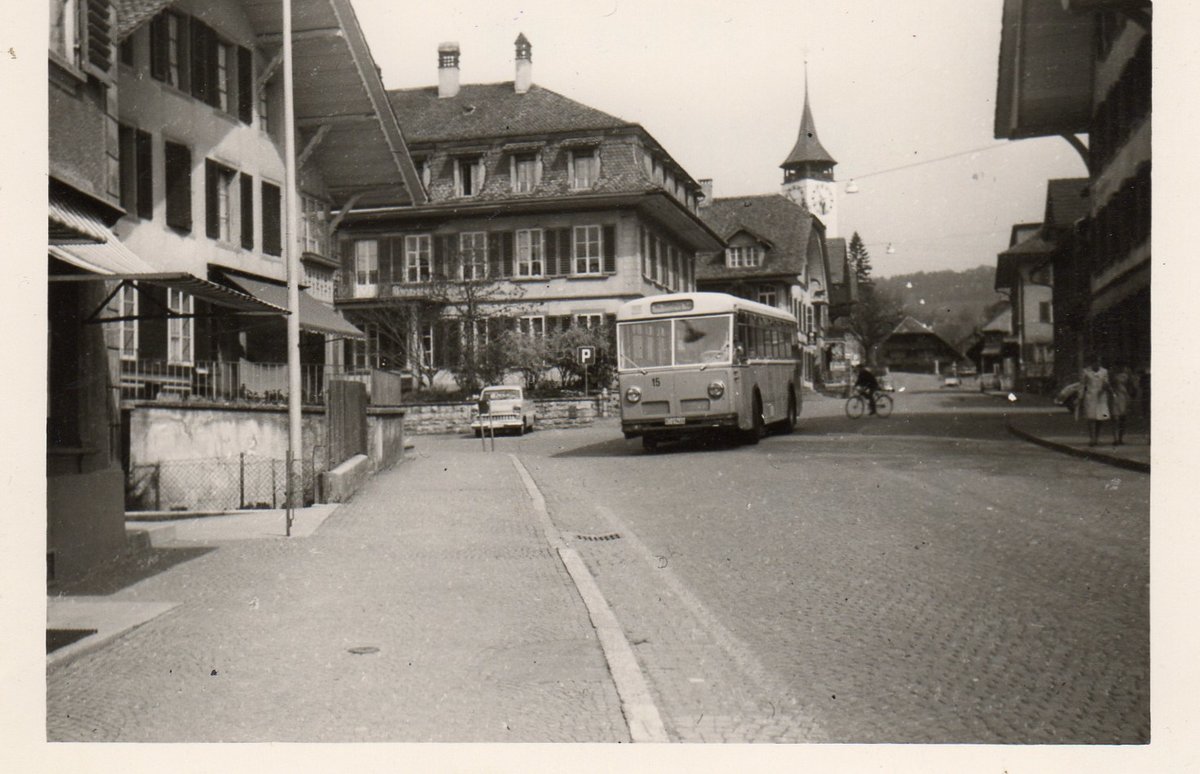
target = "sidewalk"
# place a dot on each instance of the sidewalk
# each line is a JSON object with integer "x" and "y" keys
{"x": 1058, "y": 429}
{"x": 428, "y": 609}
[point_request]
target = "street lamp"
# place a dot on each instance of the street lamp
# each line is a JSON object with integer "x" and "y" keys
{"x": 852, "y": 187}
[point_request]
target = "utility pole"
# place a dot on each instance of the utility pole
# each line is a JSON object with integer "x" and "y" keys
{"x": 291, "y": 237}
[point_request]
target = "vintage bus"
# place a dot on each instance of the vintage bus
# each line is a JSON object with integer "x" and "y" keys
{"x": 689, "y": 362}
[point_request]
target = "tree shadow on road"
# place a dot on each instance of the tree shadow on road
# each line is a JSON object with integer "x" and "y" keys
{"x": 127, "y": 570}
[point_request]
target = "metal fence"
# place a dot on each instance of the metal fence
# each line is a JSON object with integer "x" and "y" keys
{"x": 245, "y": 381}
{"x": 243, "y": 482}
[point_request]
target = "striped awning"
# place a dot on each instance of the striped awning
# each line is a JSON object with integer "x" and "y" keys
{"x": 71, "y": 225}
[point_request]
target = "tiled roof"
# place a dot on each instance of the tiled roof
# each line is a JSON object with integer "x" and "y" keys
{"x": 911, "y": 325}
{"x": 1066, "y": 201}
{"x": 1001, "y": 323}
{"x": 787, "y": 225}
{"x": 132, "y": 13}
{"x": 487, "y": 111}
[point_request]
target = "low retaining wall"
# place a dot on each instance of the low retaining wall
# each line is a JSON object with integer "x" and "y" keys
{"x": 455, "y": 417}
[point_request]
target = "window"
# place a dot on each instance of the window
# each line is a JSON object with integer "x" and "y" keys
{"x": 589, "y": 321}
{"x": 179, "y": 330}
{"x": 766, "y": 295}
{"x": 585, "y": 168}
{"x": 188, "y": 54}
{"x": 809, "y": 319}
{"x": 524, "y": 172}
{"x": 170, "y": 46}
{"x": 224, "y": 53}
{"x": 468, "y": 176}
{"x": 272, "y": 222}
{"x": 472, "y": 249}
{"x": 64, "y": 28}
{"x": 426, "y": 173}
{"x": 218, "y": 201}
{"x": 587, "y": 250}
{"x": 532, "y": 325}
{"x": 366, "y": 262}
{"x": 264, "y": 109}
{"x": 426, "y": 342}
{"x": 418, "y": 250}
{"x": 530, "y": 247}
{"x": 1045, "y": 312}
{"x": 178, "y": 168}
{"x": 312, "y": 226}
{"x": 127, "y": 330}
{"x": 137, "y": 177}
{"x": 744, "y": 256}
{"x": 365, "y": 352}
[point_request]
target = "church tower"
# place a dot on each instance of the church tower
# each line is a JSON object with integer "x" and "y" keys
{"x": 808, "y": 172}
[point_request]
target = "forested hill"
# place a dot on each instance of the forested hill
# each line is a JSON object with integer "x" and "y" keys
{"x": 954, "y": 302}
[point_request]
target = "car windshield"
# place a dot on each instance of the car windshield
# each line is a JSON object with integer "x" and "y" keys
{"x": 682, "y": 341}
{"x": 502, "y": 394}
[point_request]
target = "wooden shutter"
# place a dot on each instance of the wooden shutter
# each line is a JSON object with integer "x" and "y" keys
{"x": 549, "y": 253}
{"x": 247, "y": 210}
{"x": 506, "y": 252}
{"x": 437, "y": 261}
{"x": 609, "y": 246}
{"x": 158, "y": 47}
{"x": 566, "y": 252}
{"x": 245, "y": 85}
{"x": 204, "y": 63}
{"x": 145, "y": 174}
{"x": 495, "y": 266}
{"x": 96, "y": 39}
{"x": 179, "y": 186}
{"x": 272, "y": 225}
{"x": 212, "y": 179}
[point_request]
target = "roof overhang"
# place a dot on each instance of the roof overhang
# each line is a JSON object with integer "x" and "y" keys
{"x": 344, "y": 121}
{"x": 656, "y": 204}
{"x": 1044, "y": 83}
{"x": 1032, "y": 252}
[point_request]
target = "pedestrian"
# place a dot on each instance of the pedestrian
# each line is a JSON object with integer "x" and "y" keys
{"x": 1094, "y": 396}
{"x": 1125, "y": 394}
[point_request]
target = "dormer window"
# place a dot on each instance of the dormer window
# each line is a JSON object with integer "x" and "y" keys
{"x": 525, "y": 172}
{"x": 468, "y": 175}
{"x": 583, "y": 167}
{"x": 743, "y": 256}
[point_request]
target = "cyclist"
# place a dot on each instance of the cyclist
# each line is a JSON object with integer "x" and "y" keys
{"x": 867, "y": 385}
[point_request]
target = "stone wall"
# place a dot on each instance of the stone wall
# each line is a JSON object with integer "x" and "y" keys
{"x": 455, "y": 417}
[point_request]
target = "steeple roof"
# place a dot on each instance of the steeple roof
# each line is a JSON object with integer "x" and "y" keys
{"x": 808, "y": 148}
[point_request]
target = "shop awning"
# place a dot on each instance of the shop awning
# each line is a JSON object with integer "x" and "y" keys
{"x": 114, "y": 261}
{"x": 315, "y": 316}
{"x": 71, "y": 225}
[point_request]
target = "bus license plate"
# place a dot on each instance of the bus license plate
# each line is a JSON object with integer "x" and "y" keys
{"x": 673, "y": 421}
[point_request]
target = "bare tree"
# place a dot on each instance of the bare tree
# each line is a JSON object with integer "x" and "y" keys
{"x": 874, "y": 316}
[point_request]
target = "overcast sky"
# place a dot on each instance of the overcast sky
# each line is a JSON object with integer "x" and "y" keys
{"x": 721, "y": 86}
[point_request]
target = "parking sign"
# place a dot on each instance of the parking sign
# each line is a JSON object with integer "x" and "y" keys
{"x": 586, "y": 355}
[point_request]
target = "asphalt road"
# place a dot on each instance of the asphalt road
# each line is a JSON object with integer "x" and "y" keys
{"x": 923, "y": 578}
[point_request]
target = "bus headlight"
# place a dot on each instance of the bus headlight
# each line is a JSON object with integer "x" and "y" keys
{"x": 716, "y": 390}
{"x": 633, "y": 395}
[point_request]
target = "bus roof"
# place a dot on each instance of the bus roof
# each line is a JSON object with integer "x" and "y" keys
{"x": 674, "y": 305}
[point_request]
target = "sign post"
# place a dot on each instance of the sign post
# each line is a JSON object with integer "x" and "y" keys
{"x": 586, "y": 356}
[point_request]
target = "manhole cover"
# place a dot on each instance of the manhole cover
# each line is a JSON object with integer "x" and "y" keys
{"x": 61, "y": 638}
{"x": 363, "y": 650}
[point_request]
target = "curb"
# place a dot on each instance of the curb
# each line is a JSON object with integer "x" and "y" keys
{"x": 1108, "y": 459}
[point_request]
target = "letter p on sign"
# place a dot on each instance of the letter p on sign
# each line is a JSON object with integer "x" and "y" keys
{"x": 586, "y": 355}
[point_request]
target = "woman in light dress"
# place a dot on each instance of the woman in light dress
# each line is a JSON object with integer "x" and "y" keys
{"x": 1095, "y": 396}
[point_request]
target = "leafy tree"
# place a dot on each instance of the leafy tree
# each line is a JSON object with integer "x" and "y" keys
{"x": 398, "y": 325}
{"x": 528, "y": 354}
{"x": 860, "y": 260}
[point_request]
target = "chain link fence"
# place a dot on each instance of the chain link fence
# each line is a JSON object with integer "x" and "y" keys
{"x": 244, "y": 482}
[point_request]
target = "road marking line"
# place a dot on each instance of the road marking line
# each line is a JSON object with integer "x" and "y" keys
{"x": 641, "y": 714}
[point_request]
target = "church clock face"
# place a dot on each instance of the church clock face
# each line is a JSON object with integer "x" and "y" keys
{"x": 822, "y": 200}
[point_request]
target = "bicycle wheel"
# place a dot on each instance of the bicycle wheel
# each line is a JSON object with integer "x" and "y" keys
{"x": 883, "y": 405}
{"x": 855, "y": 406}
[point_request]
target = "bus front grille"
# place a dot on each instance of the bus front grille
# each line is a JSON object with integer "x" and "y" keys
{"x": 656, "y": 408}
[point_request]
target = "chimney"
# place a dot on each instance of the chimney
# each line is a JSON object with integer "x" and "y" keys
{"x": 706, "y": 189}
{"x": 524, "y": 79}
{"x": 447, "y": 70}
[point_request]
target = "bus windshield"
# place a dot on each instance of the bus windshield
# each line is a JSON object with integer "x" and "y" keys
{"x": 680, "y": 342}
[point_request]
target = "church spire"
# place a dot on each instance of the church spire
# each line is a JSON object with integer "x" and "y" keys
{"x": 808, "y": 155}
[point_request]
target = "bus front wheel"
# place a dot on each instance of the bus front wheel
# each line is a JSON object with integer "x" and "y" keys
{"x": 758, "y": 427}
{"x": 789, "y": 424}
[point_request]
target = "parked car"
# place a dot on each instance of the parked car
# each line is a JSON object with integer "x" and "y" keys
{"x": 1068, "y": 396}
{"x": 507, "y": 408}
{"x": 951, "y": 380}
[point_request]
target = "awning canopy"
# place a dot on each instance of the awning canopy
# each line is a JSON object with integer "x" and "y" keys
{"x": 71, "y": 225}
{"x": 315, "y": 316}
{"x": 114, "y": 261}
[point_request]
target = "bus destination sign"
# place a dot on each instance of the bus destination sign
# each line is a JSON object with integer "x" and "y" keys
{"x": 666, "y": 307}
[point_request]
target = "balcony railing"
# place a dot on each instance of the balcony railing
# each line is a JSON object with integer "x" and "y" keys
{"x": 244, "y": 382}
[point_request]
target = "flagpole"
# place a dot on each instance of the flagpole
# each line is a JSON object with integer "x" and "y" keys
{"x": 292, "y": 234}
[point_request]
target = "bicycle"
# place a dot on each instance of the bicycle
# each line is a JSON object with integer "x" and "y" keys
{"x": 856, "y": 405}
